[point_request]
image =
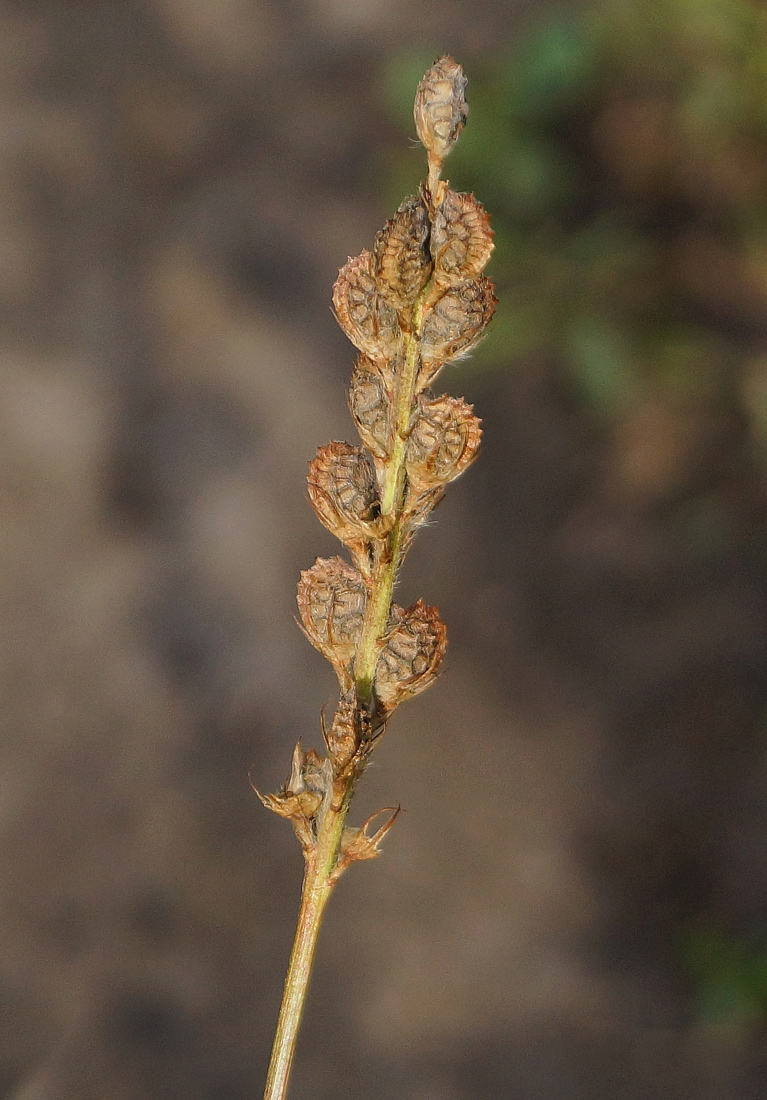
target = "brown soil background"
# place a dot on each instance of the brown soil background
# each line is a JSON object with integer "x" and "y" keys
{"x": 179, "y": 182}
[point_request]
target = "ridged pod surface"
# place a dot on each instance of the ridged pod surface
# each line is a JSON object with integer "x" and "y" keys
{"x": 443, "y": 441}
{"x": 411, "y": 655}
{"x": 364, "y": 315}
{"x": 332, "y": 597}
{"x": 461, "y": 239}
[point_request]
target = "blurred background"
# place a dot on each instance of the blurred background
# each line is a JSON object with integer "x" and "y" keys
{"x": 573, "y": 905}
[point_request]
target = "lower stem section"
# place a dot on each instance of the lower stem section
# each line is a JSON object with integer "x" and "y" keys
{"x": 317, "y": 888}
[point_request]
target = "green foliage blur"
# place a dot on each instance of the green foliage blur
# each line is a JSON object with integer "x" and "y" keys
{"x": 729, "y": 977}
{"x": 621, "y": 149}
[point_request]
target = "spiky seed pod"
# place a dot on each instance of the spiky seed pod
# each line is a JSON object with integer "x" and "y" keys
{"x": 443, "y": 442}
{"x": 332, "y": 597}
{"x": 440, "y": 110}
{"x": 461, "y": 239}
{"x": 401, "y": 259}
{"x": 344, "y": 493}
{"x": 411, "y": 655}
{"x": 368, "y": 320}
{"x": 454, "y": 326}
{"x": 370, "y": 405}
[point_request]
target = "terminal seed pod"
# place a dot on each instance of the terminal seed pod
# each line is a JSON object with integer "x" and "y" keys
{"x": 440, "y": 112}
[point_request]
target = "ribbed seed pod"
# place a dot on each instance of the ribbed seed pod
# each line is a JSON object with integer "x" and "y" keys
{"x": 443, "y": 442}
{"x": 344, "y": 492}
{"x": 413, "y": 650}
{"x": 332, "y": 597}
{"x": 440, "y": 110}
{"x": 461, "y": 239}
{"x": 350, "y": 731}
{"x": 401, "y": 259}
{"x": 455, "y": 325}
{"x": 370, "y": 405}
{"x": 369, "y": 321}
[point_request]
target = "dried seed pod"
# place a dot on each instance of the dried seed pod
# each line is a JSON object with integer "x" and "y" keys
{"x": 461, "y": 238}
{"x": 419, "y": 504}
{"x": 368, "y": 321}
{"x": 443, "y": 442}
{"x": 440, "y": 110}
{"x": 455, "y": 325}
{"x": 370, "y": 404}
{"x": 332, "y": 597}
{"x": 350, "y": 735}
{"x": 344, "y": 492}
{"x": 411, "y": 655}
{"x": 401, "y": 258}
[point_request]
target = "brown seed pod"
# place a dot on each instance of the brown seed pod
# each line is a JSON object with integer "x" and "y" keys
{"x": 454, "y": 326}
{"x": 413, "y": 650}
{"x": 368, "y": 321}
{"x": 332, "y": 597}
{"x": 440, "y": 110}
{"x": 344, "y": 492}
{"x": 370, "y": 400}
{"x": 443, "y": 442}
{"x": 419, "y": 504}
{"x": 461, "y": 238}
{"x": 401, "y": 258}
{"x": 350, "y": 735}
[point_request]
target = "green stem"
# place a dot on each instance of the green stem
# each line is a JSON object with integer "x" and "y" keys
{"x": 317, "y": 888}
{"x": 392, "y": 501}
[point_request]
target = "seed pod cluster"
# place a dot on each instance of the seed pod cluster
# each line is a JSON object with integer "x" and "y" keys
{"x": 416, "y": 302}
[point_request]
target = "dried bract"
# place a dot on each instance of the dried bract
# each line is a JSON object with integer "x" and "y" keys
{"x": 440, "y": 110}
{"x": 368, "y": 320}
{"x": 331, "y": 600}
{"x": 413, "y": 650}
{"x": 455, "y": 325}
{"x": 401, "y": 258}
{"x": 350, "y": 732}
{"x": 344, "y": 492}
{"x": 370, "y": 404}
{"x": 461, "y": 238}
{"x": 443, "y": 442}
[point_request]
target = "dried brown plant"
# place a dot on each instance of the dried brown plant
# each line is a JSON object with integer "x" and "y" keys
{"x": 416, "y": 302}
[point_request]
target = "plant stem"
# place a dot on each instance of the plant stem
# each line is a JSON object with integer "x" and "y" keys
{"x": 317, "y": 888}
{"x": 392, "y": 500}
{"x": 321, "y": 862}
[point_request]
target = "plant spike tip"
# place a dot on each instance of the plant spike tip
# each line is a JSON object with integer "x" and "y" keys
{"x": 417, "y": 301}
{"x": 440, "y": 113}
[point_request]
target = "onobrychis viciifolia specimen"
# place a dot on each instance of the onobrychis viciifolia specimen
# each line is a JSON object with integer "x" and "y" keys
{"x": 413, "y": 304}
